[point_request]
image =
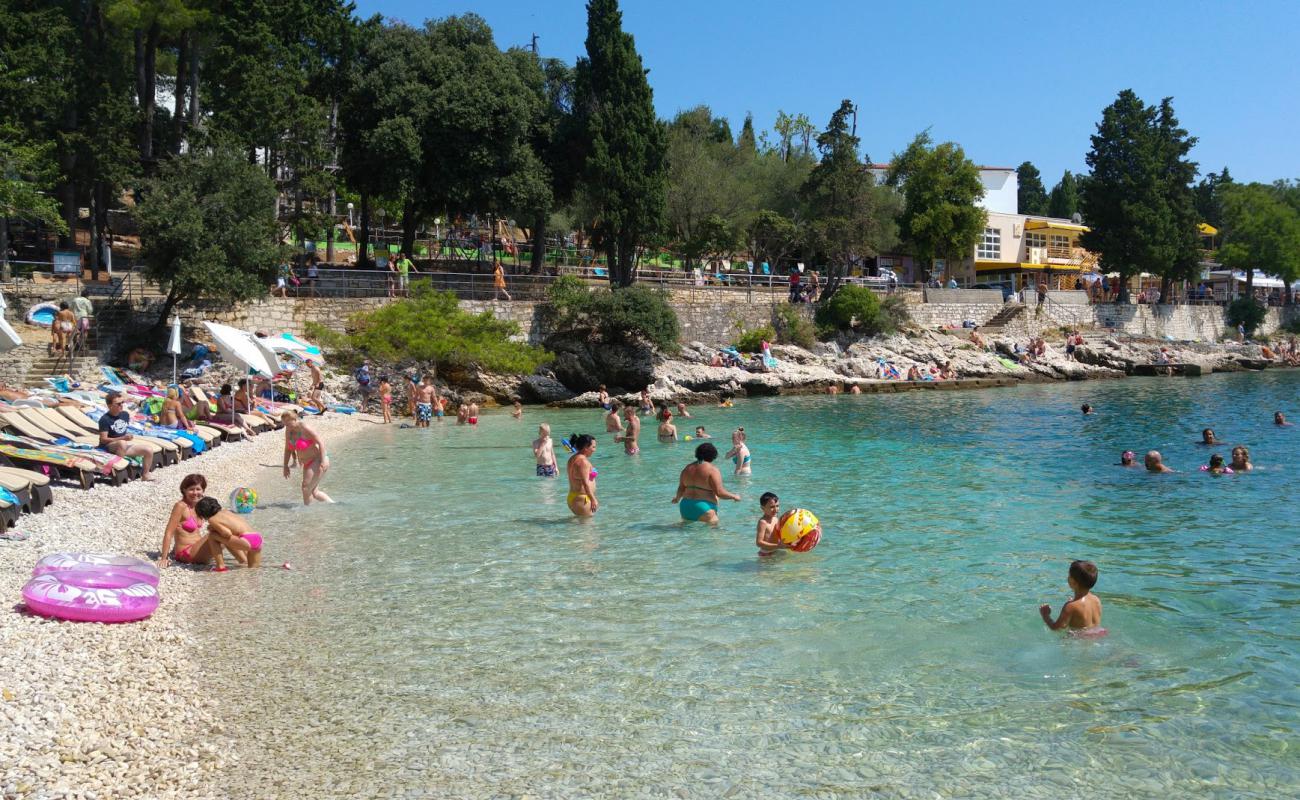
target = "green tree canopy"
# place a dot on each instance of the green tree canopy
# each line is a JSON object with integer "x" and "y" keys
{"x": 1136, "y": 212}
{"x": 1261, "y": 231}
{"x": 1031, "y": 197}
{"x": 850, "y": 218}
{"x": 940, "y": 187}
{"x": 1063, "y": 203}
{"x": 208, "y": 230}
{"x": 1209, "y": 197}
{"x": 624, "y": 142}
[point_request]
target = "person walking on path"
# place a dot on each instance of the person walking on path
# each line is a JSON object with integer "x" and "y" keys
{"x": 84, "y": 312}
{"x": 499, "y": 281}
{"x": 403, "y": 267}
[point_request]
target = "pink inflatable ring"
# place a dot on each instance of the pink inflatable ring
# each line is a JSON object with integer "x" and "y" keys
{"x": 91, "y": 596}
{"x": 142, "y": 571}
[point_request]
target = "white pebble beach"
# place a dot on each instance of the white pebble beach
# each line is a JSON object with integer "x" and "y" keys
{"x": 89, "y": 710}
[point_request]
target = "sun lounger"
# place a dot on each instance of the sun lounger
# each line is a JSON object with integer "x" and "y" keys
{"x": 58, "y": 463}
{"x": 10, "y": 508}
{"x": 231, "y": 430}
{"x": 199, "y": 439}
{"x": 20, "y": 489}
{"x": 38, "y": 483}
{"x": 28, "y": 436}
{"x": 164, "y": 453}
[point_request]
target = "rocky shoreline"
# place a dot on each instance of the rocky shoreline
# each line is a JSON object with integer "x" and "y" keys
{"x": 109, "y": 711}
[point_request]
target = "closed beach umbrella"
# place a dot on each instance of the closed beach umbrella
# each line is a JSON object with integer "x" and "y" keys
{"x": 174, "y": 344}
{"x": 9, "y": 338}
{"x": 238, "y": 347}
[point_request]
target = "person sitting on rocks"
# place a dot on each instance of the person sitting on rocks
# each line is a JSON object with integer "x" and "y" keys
{"x": 946, "y": 373}
{"x": 913, "y": 374}
{"x": 976, "y": 339}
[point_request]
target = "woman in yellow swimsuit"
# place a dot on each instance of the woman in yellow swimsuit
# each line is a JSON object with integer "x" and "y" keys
{"x": 582, "y": 476}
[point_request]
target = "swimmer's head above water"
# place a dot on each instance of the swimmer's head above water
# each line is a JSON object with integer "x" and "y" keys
{"x": 583, "y": 443}
{"x": 769, "y": 498}
{"x": 1126, "y": 458}
{"x": 1207, "y": 436}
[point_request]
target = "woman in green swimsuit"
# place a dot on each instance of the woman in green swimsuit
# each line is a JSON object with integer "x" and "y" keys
{"x": 700, "y": 487}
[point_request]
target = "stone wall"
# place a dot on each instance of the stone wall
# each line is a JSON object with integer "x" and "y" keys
{"x": 963, "y": 296}
{"x": 1192, "y": 323}
{"x": 936, "y": 315}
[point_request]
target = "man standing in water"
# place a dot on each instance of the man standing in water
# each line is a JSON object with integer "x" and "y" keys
{"x": 425, "y": 397}
{"x": 631, "y": 433}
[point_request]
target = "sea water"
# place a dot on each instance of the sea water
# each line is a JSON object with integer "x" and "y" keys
{"x": 449, "y": 629}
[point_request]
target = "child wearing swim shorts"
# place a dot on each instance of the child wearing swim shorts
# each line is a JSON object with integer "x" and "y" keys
{"x": 767, "y": 538}
{"x": 1083, "y": 613}
{"x": 544, "y": 452}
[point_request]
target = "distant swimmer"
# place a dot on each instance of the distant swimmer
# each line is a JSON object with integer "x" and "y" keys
{"x": 681, "y": 410}
{"x": 768, "y": 536}
{"x": 855, "y": 389}
{"x": 647, "y": 405}
{"x": 1083, "y": 613}
{"x": 612, "y": 422}
{"x": 1086, "y": 409}
{"x": 667, "y": 430}
{"x": 700, "y": 433}
{"x": 1207, "y": 437}
{"x": 518, "y": 411}
{"x": 1241, "y": 459}
{"x": 1155, "y": 463}
{"x": 602, "y": 397}
{"x": 582, "y": 476}
{"x": 1280, "y": 420}
{"x": 631, "y": 433}
{"x": 544, "y": 452}
{"x": 739, "y": 453}
{"x": 700, "y": 487}
{"x": 1216, "y": 466}
{"x": 1126, "y": 459}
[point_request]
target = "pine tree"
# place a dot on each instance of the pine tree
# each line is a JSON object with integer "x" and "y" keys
{"x": 1064, "y": 200}
{"x": 1031, "y": 197}
{"x": 746, "y": 144}
{"x": 625, "y": 142}
{"x": 1181, "y": 261}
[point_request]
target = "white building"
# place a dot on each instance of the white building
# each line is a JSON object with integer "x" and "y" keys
{"x": 1001, "y": 186}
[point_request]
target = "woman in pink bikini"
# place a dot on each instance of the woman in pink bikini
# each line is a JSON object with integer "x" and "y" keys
{"x": 303, "y": 442}
{"x": 191, "y": 546}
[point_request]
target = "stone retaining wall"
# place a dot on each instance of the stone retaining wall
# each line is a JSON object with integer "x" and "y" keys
{"x": 935, "y": 315}
{"x": 1194, "y": 323}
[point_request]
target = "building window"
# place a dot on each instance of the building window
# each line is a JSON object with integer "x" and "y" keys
{"x": 990, "y": 245}
{"x": 1035, "y": 240}
{"x": 1060, "y": 242}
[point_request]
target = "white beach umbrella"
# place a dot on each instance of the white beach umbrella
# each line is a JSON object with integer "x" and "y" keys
{"x": 291, "y": 345}
{"x": 239, "y": 348}
{"x": 174, "y": 344}
{"x": 9, "y": 338}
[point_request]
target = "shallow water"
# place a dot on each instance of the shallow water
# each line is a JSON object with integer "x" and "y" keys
{"x": 448, "y": 630}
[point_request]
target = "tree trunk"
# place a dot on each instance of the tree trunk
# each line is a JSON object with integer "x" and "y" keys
{"x": 6, "y": 272}
{"x": 1122, "y": 295}
{"x": 539, "y": 244}
{"x": 329, "y": 234}
{"x": 1165, "y": 285}
{"x": 363, "y": 241}
{"x": 146, "y": 78}
{"x": 1250, "y": 281}
{"x": 168, "y": 305}
{"x": 94, "y": 231}
{"x": 141, "y": 84}
{"x": 194, "y": 84}
{"x": 408, "y": 227}
{"x": 182, "y": 82}
{"x": 101, "y": 215}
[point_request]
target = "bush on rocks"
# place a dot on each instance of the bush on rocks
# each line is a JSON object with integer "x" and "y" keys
{"x": 430, "y": 326}
{"x": 752, "y": 341}
{"x": 618, "y": 316}
{"x": 853, "y": 308}
{"x": 1246, "y": 311}
{"x": 794, "y": 328}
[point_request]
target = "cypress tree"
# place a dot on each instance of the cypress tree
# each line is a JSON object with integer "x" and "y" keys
{"x": 1064, "y": 200}
{"x": 624, "y": 169}
{"x": 1031, "y": 197}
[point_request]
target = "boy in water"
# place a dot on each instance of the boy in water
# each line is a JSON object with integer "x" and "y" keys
{"x": 767, "y": 538}
{"x": 1084, "y": 611}
{"x": 544, "y": 451}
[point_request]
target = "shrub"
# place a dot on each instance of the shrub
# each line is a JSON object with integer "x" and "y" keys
{"x": 752, "y": 341}
{"x": 430, "y": 326}
{"x": 894, "y": 307}
{"x": 853, "y": 308}
{"x": 619, "y": 316}
{"x": 793, "y": 327}
{"x": 1246, "y": 311}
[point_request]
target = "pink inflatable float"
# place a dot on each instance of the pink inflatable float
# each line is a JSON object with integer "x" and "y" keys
{"x": 91, "y": 587}
{"x": 142, "y": 570}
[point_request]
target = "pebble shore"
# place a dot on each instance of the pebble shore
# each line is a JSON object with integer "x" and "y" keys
{"x": 94, "y": 711}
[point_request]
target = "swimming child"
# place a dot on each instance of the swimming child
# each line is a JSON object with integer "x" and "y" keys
{"x": 1086, "y": 409}
{"x": 768, "y": 537}
{"x": 386, "y": 398}
{"x": 1207, "y": 437}
{"x": 739, "y": 453}
{"x": 1280, "y": 420}
{"x": 582, "y": 476}
{"x": 232, "y": 531}
{"x": 681, "y": 410}
{"x": 544, "y": 452}
{"x": 1083, "y": 613}
{"x": 518, "y": 410}
{"x": 1216, "y": 467}
{"x": 1126, "y": 459}
{"x": 725, "y": 401}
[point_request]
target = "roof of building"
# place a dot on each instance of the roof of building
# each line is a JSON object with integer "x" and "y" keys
{"x": 981, "y": 167}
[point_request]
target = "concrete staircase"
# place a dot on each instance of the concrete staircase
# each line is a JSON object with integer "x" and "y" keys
{"x": 997, "y": 326}
{"x": 47, "y": 366}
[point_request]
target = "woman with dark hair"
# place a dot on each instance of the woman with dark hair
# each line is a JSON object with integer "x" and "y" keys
{"x": 182, "y": 539}
{"x": 700, "y": 486}
{"x": 582, "y": 476}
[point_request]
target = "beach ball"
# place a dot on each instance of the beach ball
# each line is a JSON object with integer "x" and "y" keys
{"x": 799, "y": 528}
{"x": 688, "y": 437}
{"x": 243, "y": 500}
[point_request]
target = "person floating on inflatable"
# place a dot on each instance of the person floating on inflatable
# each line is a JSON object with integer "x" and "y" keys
{"x": 798, "y": 529}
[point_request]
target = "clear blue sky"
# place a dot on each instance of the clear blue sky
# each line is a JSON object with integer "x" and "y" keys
{"x": 1009, "y": 81}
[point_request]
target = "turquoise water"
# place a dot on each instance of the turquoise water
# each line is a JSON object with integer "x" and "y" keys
{"x": 449, "y": 630}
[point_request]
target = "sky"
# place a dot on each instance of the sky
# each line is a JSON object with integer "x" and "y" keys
{"x": 1008, "y": 81}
